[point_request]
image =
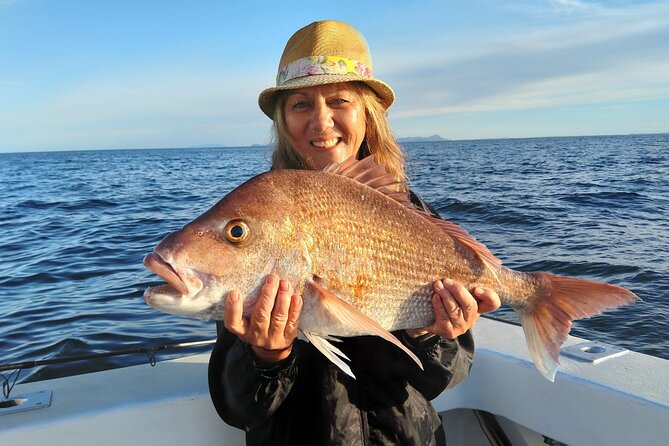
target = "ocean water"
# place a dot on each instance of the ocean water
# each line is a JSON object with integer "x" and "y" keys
{"x": 74, "y": 227}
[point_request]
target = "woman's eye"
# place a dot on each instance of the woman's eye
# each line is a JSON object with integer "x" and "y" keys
{"x": 300, "y": 105}
{"x": 339, "y": 101}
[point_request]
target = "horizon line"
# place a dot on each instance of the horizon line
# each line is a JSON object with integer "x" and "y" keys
{"x": 258, "y": 146}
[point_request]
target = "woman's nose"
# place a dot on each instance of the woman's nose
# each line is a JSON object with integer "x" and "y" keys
{"x": 321, "y": 118}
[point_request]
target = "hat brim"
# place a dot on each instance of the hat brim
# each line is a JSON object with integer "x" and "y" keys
{"x": 267, "y": 98}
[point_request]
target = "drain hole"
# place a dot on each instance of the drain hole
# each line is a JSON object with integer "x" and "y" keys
{"x": 6, "y": 404}
{"x": 593, "y": 349}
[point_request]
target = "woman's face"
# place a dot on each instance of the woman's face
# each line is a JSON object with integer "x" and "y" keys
{"x": 325, "y": 123}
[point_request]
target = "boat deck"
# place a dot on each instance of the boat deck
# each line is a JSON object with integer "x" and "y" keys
{"x": 624, "y": 400}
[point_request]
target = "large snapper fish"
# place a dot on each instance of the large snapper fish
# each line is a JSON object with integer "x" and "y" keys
{"x": 362, "y": 257}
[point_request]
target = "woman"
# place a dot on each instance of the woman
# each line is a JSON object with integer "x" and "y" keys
{"x": 327, "y": 107}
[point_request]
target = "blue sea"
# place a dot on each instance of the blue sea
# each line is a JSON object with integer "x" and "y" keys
{"x": 74, "y": 227}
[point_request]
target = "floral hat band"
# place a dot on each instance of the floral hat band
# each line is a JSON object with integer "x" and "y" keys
{"x": 318, "y": 65}
{"x": 324, "y": 52}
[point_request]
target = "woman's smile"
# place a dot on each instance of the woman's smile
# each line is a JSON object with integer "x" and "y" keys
{"x": 325, "y": 123}
{"x": 327, "y": 144}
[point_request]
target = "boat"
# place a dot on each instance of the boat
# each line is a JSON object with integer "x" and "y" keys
{"x": 602, "y": 395}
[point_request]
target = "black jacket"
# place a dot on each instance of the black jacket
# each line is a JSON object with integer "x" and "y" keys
{"x": 307, "y": 400}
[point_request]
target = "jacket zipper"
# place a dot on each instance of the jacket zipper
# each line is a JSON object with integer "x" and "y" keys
{"x": 364, "y": 427}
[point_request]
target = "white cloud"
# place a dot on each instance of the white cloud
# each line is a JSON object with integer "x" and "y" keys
{"x": 603, "y": 58}
{"x": 565, "y": 91}
{"x": 569, "y": 5}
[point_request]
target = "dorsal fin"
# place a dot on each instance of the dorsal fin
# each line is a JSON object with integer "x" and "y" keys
{"x": 366, "y": 171}
{"x": 461, "y": 235}
{"x": 374, "y": 175}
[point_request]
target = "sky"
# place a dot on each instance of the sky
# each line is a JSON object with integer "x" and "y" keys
{"x": 78, "y": 75}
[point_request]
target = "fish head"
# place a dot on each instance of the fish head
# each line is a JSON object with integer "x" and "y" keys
{"x": 232, "y": 246}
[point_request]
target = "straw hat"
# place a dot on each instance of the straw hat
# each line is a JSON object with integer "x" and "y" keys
{"x": 325, "y": 52}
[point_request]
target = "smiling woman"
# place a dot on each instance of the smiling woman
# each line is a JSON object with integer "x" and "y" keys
{"x": 327, "y": 108}
{"x": 377, "y": 139}
{"x": 325, "y": 123}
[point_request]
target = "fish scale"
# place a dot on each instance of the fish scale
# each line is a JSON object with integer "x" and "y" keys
{"x": 392, "y": 274}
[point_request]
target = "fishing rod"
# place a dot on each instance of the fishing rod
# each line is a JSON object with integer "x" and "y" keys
{"x": 19, "y": 366}
{"x": 140, "y": 349}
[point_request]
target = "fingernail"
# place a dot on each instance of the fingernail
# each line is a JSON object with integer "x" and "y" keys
{"x": 234, "y": 297}
{"x": 272, "y": 278}
{"x": 478, "y": 291}
{"x": 438, "y": 285}
{"x": 448, "y": 282}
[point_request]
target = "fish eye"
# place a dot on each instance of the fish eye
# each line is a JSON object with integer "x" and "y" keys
{"x": 236, "y": 231}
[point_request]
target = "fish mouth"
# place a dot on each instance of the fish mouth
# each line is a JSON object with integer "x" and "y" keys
{"x": 181, "y": 281}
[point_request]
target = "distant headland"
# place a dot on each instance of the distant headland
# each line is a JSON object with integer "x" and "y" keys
{"x": 433, "y": 138}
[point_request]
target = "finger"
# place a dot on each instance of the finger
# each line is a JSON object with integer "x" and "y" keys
{"x": 233, "y": 317}
{"x": 468, "y": 307}
{"x": 262, "y": 312}
{"x": 442, "y": 324}
{"x": 451, "y": 308}
{"x": 293, "y": 317}
{"x": 280, "y": 310}
{"x": 439, "y": 309}
{"x": 487, "y": 299}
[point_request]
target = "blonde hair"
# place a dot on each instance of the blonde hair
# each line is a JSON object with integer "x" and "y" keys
{"x": 379, "y": 139}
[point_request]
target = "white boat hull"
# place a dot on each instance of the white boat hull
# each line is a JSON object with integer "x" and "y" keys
{"x": 621, "y": 401}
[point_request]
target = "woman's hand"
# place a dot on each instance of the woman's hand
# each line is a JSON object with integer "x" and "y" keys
{"x": 272, "y": 328}
{"x": 456, "y": 309}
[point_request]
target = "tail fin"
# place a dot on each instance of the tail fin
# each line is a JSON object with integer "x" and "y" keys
{"x": 547, "y": 321}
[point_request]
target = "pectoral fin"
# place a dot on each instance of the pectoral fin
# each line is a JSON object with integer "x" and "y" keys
{"x": 347, "y": 315}
{"x": 330, "y": 351}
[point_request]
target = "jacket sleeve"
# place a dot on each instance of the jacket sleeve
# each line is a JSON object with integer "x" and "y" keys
{"x": 446, "y": 362}
{"x": 244, "y": 394}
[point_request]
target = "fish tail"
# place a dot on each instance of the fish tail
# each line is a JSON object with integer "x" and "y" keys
{"x": 547, "y": 319}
